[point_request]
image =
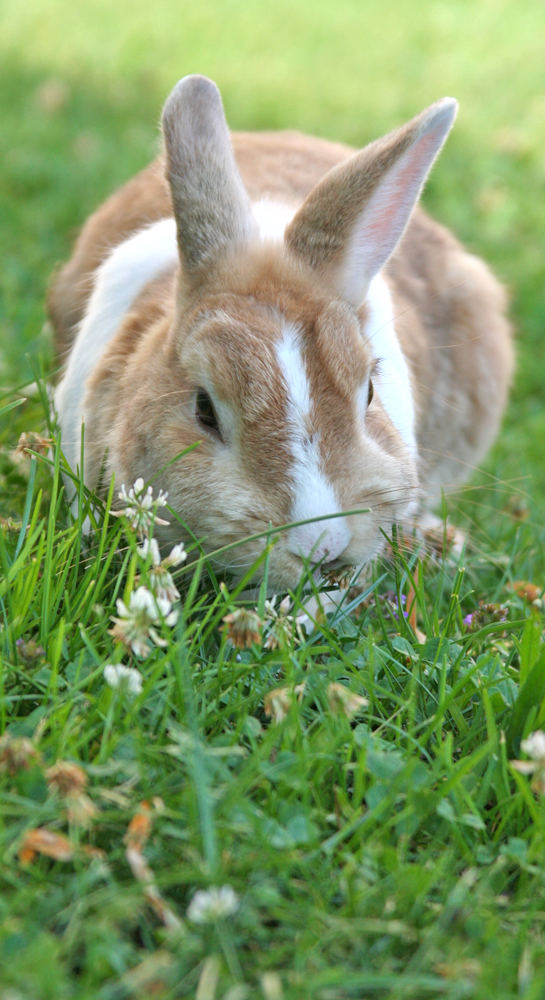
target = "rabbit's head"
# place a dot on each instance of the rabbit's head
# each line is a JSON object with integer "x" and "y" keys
{"x": 280, "y": 358}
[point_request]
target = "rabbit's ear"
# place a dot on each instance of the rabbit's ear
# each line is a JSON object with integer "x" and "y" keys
{"x": 211, "y": 206}
{"x": 351, "y": 222}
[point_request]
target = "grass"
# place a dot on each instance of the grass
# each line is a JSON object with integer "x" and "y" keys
{"x": 394, "y": 854}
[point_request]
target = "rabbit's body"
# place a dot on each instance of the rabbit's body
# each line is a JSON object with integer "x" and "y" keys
{"x": 227, "y": 313}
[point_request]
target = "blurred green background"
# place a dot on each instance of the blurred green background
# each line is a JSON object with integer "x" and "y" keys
{"x": 82, "y": 87}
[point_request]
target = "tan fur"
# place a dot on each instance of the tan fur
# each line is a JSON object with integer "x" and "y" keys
{"x": 220, "y": 317}
{"x": 450, "y": 317}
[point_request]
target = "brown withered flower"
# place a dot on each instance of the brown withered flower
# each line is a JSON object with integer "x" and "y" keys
{"x": 30, "y": 442}
{"x": 278, "y": 702}
{"x": 243, "y": 627}
{"x": 343, "y": 701}
{"x": 68, "y": 780}
{"x": 17, "y": 753}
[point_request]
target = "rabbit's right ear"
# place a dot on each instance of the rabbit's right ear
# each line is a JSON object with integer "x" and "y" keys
{"x": 211, "y": 206}
{"x": 352, "y": 221}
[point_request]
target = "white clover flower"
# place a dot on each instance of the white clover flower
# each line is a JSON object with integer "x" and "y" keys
{"x": 534, "y": 747}
{"x": 117, "y": 675}
{"x": 150, "y": 550}
{"x": 160, "y": 580}
{"x": 177, "y": 556}
{"x": 135, "y": 625}
{"x": 282, "y": 627}
{"x": 211, "y": 904}
{"x": 140, "y": 507}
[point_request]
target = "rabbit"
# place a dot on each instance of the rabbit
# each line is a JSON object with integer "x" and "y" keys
{"x": 282, "y": 301}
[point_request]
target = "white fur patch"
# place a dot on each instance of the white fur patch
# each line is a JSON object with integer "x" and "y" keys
{"x": 393, "y": 384}
{"x": 118, "y": 282}
{"x": 314, "y": 494}
{"x": 272, "y": 217}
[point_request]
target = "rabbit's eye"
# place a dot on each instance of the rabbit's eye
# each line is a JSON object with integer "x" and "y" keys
{"x": 370, "y": 393}
{"x": 206, "y": 414}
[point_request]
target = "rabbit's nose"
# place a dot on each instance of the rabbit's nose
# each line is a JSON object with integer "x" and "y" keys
{"x": 320, "y": 541}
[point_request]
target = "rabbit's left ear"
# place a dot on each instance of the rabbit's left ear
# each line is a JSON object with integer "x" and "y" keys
{"x": 211, "y": 206}
{"x": 352, "y": 221}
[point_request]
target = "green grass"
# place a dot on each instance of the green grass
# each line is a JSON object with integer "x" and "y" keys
{"x": 394, "y": 855}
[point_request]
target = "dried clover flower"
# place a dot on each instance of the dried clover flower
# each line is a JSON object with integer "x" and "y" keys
{"x": 68, "y": 781}
{"x": 17, "y": 753}
{"x": 530, "y": 592}
{"x": 66, "y": 778}
{"x": 278, "y": 702}
{"x": 341, "y": 699}
{"x": 243, "y": 627}
{"x": 30, "y": 442}
{"x": 80, "y": 809}
{"x": 42, "y": 841}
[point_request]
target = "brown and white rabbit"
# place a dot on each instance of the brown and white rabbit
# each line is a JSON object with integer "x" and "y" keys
{"x": 279, "y": 299}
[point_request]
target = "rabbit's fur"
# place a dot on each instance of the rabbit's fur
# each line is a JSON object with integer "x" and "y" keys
{"x": 295, "y": 277}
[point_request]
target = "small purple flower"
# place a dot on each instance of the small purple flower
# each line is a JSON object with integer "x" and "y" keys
{"x": 485, "y": 614}
{"x": 398, "y": 604}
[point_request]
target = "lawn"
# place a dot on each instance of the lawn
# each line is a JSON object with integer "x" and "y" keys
{"x": 346, "y": 798}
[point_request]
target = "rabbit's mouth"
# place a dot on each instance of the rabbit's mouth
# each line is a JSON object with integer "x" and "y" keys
{"x": 334, "y": 571}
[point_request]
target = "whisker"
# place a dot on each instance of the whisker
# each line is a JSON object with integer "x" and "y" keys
{"x": 469, "y": 468}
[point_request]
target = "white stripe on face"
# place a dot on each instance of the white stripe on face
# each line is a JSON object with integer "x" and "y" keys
{"x": 314, "y": 494}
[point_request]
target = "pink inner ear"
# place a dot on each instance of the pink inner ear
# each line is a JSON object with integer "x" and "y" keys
{"x": 382, "y": 222}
